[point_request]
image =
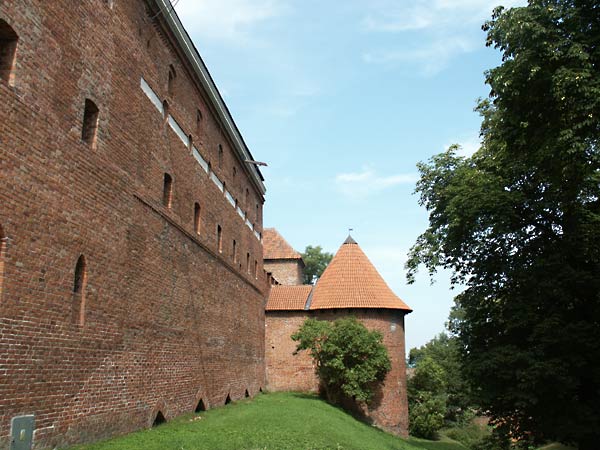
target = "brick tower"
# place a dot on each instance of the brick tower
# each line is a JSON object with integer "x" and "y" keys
{"x": 350, "y": 286}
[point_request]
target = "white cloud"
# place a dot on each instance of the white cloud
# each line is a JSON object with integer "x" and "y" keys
{"x": 469, "y": 144}
{"x": 394, "y": 16}
{"x": 367, "y": 182}
{"x": 431, "y": 58}
{"x": 230, "y": 20}
{"x": 444, "y": 28}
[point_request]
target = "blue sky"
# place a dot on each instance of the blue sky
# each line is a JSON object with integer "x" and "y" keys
{"x": 342, "y": 99}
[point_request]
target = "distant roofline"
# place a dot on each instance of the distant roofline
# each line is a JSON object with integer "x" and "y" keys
{"x": 273, "y": 231}
{"x": 185, "y": 43}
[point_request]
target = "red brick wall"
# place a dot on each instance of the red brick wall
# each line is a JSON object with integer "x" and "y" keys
{"x": 285, "y": 271}
{"x": 286, "y": 371}
{"x": 167, "y": 319}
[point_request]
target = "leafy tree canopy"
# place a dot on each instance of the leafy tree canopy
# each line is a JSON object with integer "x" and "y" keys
{"x": 315, "y": 263}
{"x": 444, "y": 351}
{"x": 518, "y": 224}
{"x": 349, "y": 358}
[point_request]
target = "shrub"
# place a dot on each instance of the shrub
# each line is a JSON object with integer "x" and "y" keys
{"x": 350, "y": 360}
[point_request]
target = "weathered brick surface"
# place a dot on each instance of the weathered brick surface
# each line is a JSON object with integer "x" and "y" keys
{"x": 285, "y": 271}
{"x": 286, "y": 371}
{"x": 167, "y": 319}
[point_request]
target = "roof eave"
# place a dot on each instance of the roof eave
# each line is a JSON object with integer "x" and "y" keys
{"x": 195, "y": 60}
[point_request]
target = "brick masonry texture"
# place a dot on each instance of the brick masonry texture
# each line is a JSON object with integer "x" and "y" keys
{"x": 167, "y": 319}
{"x": 285, "y": 271}
{"x": 289, "y": 372}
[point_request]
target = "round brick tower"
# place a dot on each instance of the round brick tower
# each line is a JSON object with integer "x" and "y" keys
{"x": 350, "y": 286}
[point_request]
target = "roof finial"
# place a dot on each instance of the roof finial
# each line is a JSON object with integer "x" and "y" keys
{"x": 349, "y": 239}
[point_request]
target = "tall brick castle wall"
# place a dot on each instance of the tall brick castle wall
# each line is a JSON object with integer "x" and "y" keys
{"x": 114, "y": 303}
{"x": 286, "y": 371}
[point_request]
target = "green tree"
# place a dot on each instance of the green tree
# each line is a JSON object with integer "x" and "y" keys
{"x": 444, "y": 351}
{"x": 427, "y": 398}
{"x": 315, "y": 263}
{"x": 350, "y": 359}
{"x": 518, "y": 224}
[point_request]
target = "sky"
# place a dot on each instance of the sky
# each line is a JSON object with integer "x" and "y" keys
{"x": 342, "y": 100}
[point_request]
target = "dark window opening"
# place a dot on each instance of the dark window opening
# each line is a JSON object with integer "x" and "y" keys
{"x": 255, "y": 269}
{"x": 171, "y": 80}
{"x": 90, "y": 122}
{"x": 200, "y": 406}
{"x": 79, "y": 282}
{"x": 234, "y": 251}
{"x": 260, "y": 390}
{"x": 246, "y": 394}
{"x": 219, "y": 239}
{"x": 234, "y": 171}
{"x": 248, "y": 262}
{"x": 197, "y": 218}
{"x": 220, "y": 156}
{"x": 167, "y": 190}
{"x": 247, "y": 198}
{"x": 165, "y": 111}
{"x": 228, "y": 400}
{"x": 257, "y": 212}
{"x": 159, "y": 419}
{"x": 8, "y": 52}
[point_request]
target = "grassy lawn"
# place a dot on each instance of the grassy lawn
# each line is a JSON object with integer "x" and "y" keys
{"x": 269, "y": 422}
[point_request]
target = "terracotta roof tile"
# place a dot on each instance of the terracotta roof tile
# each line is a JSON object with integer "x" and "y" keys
{"x": 351, "y": 281}
{"x": 276, "y": 247}
{"x": 286, "y": 298}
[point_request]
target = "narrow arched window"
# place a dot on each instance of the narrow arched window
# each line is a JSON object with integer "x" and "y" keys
{"x": 247, "y": 198}
{"x": 89, "y": 129}
{"x": 234, "y": 251}
{"x": 248, "y": 262}
{"x": 167, "y": 190}
{"x": 165, "y": 111}
{"x": 197, "y": 218}
{"x": 257, "y": 213}
{"x": 3, "y": 240}
{"x": 219, "y": 239}
{"x": 220, "y": 156}
{"x": 255, "y": 269}
{"x": 8, "y": 52}
{"x": 171, "y": 81}
{"x": 79, "y": 284}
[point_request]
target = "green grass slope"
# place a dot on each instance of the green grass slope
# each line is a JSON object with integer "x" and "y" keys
{"x": 278, "y": 421}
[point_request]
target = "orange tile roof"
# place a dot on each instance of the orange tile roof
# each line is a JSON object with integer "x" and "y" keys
{"x": 285, "y": 298}
{"x": 351, "y": 281}
{"x": 276, "y": 247}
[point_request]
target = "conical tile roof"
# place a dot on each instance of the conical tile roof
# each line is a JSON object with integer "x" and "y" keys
{"x": 351, "y": 281}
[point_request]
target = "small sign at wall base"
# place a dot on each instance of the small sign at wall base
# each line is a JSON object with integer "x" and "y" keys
{"x": 21, "y": 432}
